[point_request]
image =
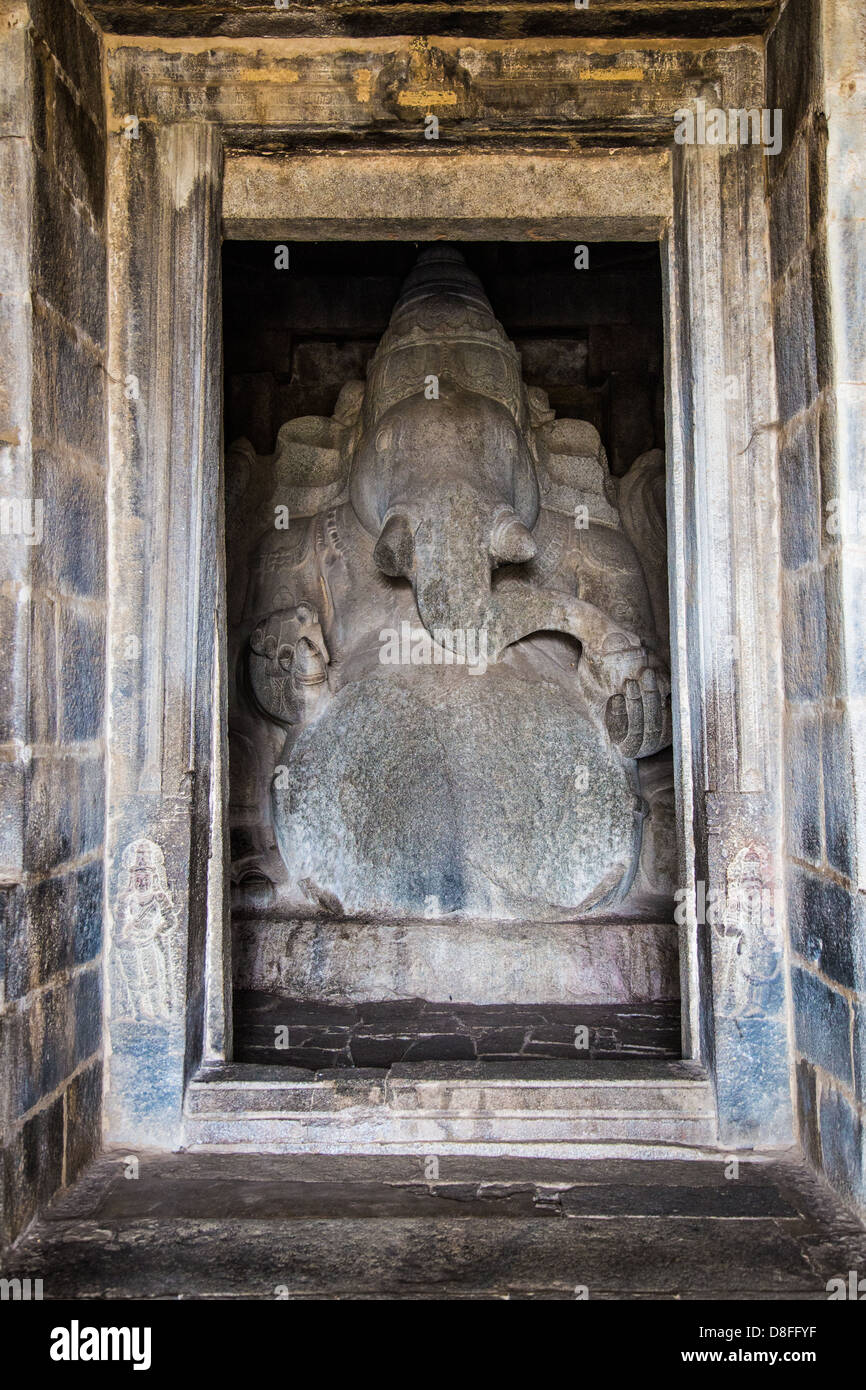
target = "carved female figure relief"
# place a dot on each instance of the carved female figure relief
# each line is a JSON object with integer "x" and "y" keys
{"x": 146, "y": 921}
{"x": 413, "y": 781}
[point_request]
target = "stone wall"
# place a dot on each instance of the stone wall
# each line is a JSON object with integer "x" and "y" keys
{"x": 814, "y": 185}
{"x": 52, "y": 597}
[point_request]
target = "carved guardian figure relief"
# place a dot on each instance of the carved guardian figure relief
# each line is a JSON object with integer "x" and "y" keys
{"x": 144, "y": 936}
{"x": 747, "y": 943}
{"x": 444, "y": 498}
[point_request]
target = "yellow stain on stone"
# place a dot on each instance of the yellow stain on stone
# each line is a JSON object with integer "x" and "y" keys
{"x": 363, "y": 79}
{"x": 427, "y": 98}
{"x": 612, "y": 74}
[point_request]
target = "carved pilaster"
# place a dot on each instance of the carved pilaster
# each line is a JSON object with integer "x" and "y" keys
{"x": 165, "y": 523}
{"x": 730, "y": 578}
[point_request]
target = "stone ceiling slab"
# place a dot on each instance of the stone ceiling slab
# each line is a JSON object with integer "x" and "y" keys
{"x": 511, "y": 19}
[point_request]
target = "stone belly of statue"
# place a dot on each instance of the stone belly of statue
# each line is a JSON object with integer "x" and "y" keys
{"x": 455, "y": 634}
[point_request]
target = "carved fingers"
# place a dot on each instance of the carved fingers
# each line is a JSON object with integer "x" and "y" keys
{"x": 638, "y": 717}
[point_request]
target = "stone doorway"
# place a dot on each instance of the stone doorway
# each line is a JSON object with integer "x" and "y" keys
{"x": 191, "y": 186}
{"x": 534, "y": 929}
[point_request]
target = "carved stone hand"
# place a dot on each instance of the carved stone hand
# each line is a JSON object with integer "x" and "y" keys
{"x": 638, "y": 715}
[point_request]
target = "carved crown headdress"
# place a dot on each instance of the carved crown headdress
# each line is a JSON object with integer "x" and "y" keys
{"x": 443, "y": 325}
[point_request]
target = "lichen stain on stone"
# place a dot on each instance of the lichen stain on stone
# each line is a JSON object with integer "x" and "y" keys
{"x": 184, "y": 168}
{"x": 276, "y": 75}
{"x": 611, "y": 74}
{"x": 427, "y": 98}
{"x": 363, "y": 79}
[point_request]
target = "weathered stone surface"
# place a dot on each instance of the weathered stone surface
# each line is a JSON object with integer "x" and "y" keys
{"x": 796, "y": 360}
{"x": 822, "y": 1023}
{"x": 815, "y": 66}
{"x": 42, "y": 663}
{"x": 793, "y": 63}
{"x": 74, "y": 41}
{"x": 442, "y": 839}
{"x": 544, "y": 1106}
{"x": 32, "y": 1168}
{"x": 13, "y": 831}
{"x": 71, "y": 280}
{"x": 789, "y": 209}
{"x": 576, "y": 102}
{"x": 802, "y": 771}
{"x": 376, "y": 1228}
{"x": 382, "y": 88}
{"x": 799, "y": 504}
{"x": 81, "y": 667}
{"x": 541, "y": 19}
{"x": 52, "y": 325}
{"x": 807, "y": 1113}
{"x": 859, "y": 1046}
{"x": 51, "y": 816}
{"x": 476, "y": 195}
{"x": 79, "y": 150}
{"x": 72, "y": 560}
{"x": 827, "y": 927}
{"x": 822, "y": 316}
{"x": 87, "y": 919}
{"x": 805, "y": 631}
{"x": 84, "y": 1119}
{"x": 843, "y": 1145}
{"x": 837, "y": 771}
{"x": 478, "y": 962}
{"x": 50, "y": 914}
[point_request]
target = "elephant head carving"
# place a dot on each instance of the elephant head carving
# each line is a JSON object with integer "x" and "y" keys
{"x": 448, "y": 489}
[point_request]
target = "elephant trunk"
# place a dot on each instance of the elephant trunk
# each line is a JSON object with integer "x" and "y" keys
{"x": 513, "y": 610}
{"x": 451, "y": 565}
{"x": 452, "y": 581}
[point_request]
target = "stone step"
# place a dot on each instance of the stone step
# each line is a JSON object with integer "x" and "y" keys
{"x": 557, "y": 1107}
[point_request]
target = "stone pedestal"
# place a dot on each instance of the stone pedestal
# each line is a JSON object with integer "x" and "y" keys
{"x": 470, "y": 962}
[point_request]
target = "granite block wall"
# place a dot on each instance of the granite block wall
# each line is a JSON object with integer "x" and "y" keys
{"x": 52, "y": 598}
{"x": 818, "y": 308}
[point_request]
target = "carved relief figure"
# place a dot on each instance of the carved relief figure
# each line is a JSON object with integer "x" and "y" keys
{"x": 146, "y": 920}
{"x": 444, "y": 497}
{"x": 748, "y": 952}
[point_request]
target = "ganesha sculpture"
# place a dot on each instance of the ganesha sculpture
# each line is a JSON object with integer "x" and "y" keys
{"x": 448, "y": 629}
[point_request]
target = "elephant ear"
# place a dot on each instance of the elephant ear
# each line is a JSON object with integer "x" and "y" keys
{"x": 538, "y": 407}
{"x": 347, "y": 411}
{"x": 642, "y": 505}
{"x": 309, "y": 468}
{"x": 573, "y": 470}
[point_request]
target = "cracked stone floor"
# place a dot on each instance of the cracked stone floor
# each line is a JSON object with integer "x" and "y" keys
{"x": 321, "y": 1036}
{"x": 205, "y": 1225}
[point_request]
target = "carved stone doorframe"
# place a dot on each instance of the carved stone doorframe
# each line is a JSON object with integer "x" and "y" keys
{"x": 177, "y": 168}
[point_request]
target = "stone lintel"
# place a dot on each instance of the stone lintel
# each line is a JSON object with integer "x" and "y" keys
{"x": 594, "y": 196}
{"x": 259, "y": 89}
